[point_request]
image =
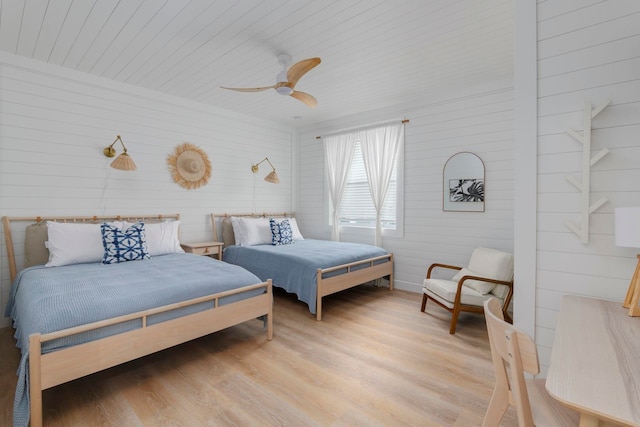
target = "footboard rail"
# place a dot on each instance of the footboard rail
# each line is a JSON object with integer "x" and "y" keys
{"x": 356, "y": 273}
{"x": 66, "y": 364}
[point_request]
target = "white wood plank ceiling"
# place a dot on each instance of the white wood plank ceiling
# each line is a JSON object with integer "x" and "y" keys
{"x": 375, "y": 53}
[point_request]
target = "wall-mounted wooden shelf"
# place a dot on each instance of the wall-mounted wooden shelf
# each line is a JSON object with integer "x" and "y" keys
{"x": 584, "y": 185}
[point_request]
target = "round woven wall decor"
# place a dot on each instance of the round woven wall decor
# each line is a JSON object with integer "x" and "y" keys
{"x": 189, "y": 166}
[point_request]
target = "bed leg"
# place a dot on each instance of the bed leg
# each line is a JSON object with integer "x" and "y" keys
{"x": 391, "y": 274}
{"x": 35, "y": 384}
{"x": 269, "y": 327}
{"x": 319, "y": 294}
{"x": 269, "y": 319}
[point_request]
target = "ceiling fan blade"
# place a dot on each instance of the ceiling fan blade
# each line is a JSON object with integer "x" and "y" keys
{"x": 299, "y": 69}
{"x": 249, "y": 89}
{"x": 305, "y": 97}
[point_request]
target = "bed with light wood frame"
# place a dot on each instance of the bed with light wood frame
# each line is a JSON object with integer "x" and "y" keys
{"x": 66, "y": 364}
{"x": 354, "y": 273}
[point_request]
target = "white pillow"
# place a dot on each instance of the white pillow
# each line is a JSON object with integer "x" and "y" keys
{"x": 238, "y": 229}
{"x": 72, "y": 243}
{"x": 251, "y": 231}
{"x": 477, "y": 285}
{"x": 161, "y": 237}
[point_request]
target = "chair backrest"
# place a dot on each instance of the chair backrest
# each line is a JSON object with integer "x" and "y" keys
{"x": 492, "y": 263}
{"x": 513, "y": 350}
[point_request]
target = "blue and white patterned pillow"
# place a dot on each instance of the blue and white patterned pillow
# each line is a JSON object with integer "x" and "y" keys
{"x": 281, "y": 232}
{"x": 121, "y": 246}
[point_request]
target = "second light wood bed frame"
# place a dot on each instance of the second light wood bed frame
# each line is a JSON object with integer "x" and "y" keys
{"x": 60, "y": 366}
{"x": 356, "y": 273}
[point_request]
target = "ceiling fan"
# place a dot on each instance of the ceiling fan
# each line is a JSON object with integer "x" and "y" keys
{"x": 287, "y": 79}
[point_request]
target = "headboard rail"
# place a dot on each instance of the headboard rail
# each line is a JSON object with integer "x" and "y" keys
{"x": 8, "y": 237}
{"x": 247, "y": 215}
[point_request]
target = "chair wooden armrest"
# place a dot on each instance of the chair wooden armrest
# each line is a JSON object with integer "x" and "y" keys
{"x": 485, "y": 279}
{"x": 432, "y": 266}
{"x": 507, "y": 299}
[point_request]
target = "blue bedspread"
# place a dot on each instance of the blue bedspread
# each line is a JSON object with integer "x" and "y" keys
{"x": 293, "y": 267}
{"x": 49, "y": 299}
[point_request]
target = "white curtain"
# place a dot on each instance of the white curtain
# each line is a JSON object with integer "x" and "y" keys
{"x": 338, "y": 152}
{"x": 380, "y": 148}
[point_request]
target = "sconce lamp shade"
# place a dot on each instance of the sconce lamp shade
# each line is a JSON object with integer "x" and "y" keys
{"x": 272, "y": 177}
{"x": 627, "y": 227}
{"x": 124, "y": 161}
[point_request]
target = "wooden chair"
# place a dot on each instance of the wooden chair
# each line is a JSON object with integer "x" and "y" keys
{"x": 488, "y": 275}
{"x": 514, "y": 351}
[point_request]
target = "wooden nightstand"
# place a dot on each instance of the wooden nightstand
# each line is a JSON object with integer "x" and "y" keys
{"x": 212, "y": 249}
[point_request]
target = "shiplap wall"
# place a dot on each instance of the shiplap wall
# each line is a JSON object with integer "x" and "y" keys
{"x": 477, "y": 119}
{"x": 54, "y": 124}
{"x": 588, "y": 51}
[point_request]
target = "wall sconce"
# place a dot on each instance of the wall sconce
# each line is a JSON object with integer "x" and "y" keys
{"x": 123, "y": 162}
{"x": 272, "y": 177}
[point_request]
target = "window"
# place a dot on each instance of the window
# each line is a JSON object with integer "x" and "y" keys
{"x": 357, "y": 209}
{"x": 363, "y": 167}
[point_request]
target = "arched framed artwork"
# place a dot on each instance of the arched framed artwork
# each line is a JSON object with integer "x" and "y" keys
{"x": 463, "y": 183}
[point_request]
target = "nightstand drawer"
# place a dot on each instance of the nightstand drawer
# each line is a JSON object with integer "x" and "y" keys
{"x": 212, "y": 249}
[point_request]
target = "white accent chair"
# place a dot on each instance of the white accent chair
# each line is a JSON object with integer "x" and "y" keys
{"x": 488, "y": 275}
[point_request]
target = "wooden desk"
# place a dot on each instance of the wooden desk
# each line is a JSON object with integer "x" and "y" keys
{"x": 595, "y": 362}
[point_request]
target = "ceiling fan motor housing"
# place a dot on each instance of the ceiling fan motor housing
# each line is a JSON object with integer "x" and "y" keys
{"x": 284, "y": 90}
{"x": 282, "y": 78}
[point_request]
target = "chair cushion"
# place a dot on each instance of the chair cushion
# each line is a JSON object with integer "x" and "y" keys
{"x": 477, "y": 285}
{"x": 492, "y": 264}
{"x": 500, "y": 292}
{"x": 444, "y": 291}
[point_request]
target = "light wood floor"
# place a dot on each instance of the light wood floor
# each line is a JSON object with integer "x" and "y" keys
{"x": 374, "y": 360}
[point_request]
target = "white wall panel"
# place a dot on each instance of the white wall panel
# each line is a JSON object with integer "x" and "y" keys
{"x": 587, "y": 52}
{"x": 54, "y": 124}
{"x": 471, "y": 119}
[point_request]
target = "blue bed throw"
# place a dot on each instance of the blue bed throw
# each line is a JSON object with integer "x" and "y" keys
{"x": 47, "y": 299}
{"x": 294, "y": 267}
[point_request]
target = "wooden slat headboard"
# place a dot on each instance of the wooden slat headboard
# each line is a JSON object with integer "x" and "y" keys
{"x": 8, "y": 238}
